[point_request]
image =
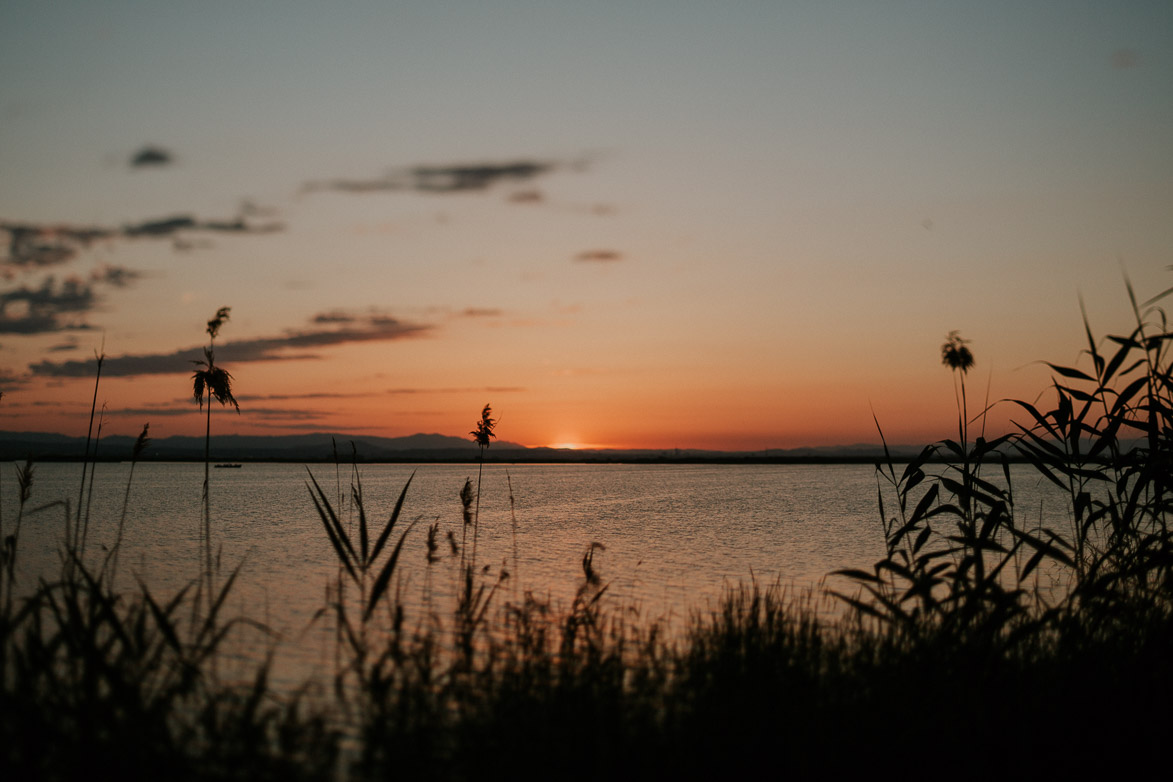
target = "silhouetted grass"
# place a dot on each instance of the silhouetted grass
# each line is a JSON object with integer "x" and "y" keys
{"x": 946, "y": 660}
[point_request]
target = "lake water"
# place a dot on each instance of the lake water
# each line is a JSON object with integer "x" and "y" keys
{"x": 674, "y": 535}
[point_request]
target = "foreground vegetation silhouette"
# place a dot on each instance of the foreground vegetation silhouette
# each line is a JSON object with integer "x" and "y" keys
{"x": 982, "y": 642}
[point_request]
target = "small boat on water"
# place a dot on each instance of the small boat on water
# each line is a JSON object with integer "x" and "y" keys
{"x": 229, "y": 466}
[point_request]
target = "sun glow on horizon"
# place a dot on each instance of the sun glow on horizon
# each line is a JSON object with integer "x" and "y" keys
{"x": 577, "y": 446}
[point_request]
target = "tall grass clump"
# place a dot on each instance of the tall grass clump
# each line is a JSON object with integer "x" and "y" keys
{"x": 96, "y": 682}
{"x": 360, "y": 560}
{"x": 1011, "y": 614}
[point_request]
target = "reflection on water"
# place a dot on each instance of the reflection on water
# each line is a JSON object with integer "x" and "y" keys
{"x": 673, "y": 535}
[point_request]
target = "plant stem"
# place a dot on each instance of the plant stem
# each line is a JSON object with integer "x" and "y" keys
{"x": 476, "y": 516}
{"x": 86, "y": 457}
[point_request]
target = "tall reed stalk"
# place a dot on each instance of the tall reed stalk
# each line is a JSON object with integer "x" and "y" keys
{"x": 85, "y": 527}
{"x": 140, "y": 445}
{"x": 101, "y": 357}
{"x": 482, "y": 436}
{"x": 212, "y": 382}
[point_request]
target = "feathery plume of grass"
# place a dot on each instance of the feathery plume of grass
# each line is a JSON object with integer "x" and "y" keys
{"x": 466, "y": 499}
{"x": 959, "y": 358}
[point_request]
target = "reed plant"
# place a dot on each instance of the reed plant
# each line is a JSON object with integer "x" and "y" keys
{"x": 100, "y": 356}
{"x": 140, "y": 445}
{"x": 367, "y": 572}
{"x": 211, "y": 382}
{"x": 960, "y": 559}
{"x": 483, "y": 436}
{"x": 121, "y": 684}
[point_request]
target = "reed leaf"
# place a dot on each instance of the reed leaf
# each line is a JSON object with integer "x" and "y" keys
{"x": 382, "y": 541}
{"x": 380, "y": 585}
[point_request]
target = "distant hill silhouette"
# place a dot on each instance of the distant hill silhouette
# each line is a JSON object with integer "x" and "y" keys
{"x": 326, "y": 446}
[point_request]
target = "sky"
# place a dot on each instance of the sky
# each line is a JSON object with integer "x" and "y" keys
{"x": 740, "y": 226}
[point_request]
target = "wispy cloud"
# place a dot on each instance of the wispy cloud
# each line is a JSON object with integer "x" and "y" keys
{"x": 464, "y": 390}
{"x": 10, "y": 381}
{"x": 169, "y": 226}
{"x": 336, "y": 316}
{"x": 599, "y": 256}
{"x": 33, "y": 246}
{"x": 117, "y": 276}
{"x": 526, "y": 197}
{"x": 481, "y": 312}
{"x": 187, "y": 407}
{"x": 41, "y": 310}
{"x": 151, "y": 156}
{"x": 58, "y": 306}
{"x": 36, "y": 246}
{"x": 292, "y": 346}
{"x": 309, "y": 395}
{"x": 64, "y": 347}
{"x": 455, "y": 178}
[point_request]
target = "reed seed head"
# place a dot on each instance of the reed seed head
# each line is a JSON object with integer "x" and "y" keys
{"x": 955, "y": 354}
{"x": 212, "y": 381}
{"x": 24, "y": 480}
{"x": 215, "y": 323}
{"x": 466, "y": 500}
{"x": 433, "y": 530}
{"x": 484, "y": 431}
{"x": 142, "y": 442}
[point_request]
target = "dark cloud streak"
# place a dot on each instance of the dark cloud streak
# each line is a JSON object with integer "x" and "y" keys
{"x": 599, "y": 256}
{"x": 33, "y": 246}
{"x": 39, "y": 310}
{"x": 151, "y": 157}
{"x": 457, "y": 178}
{"x": 375, "y": 329}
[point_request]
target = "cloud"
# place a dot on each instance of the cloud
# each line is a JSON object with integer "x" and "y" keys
{"x": 189, "y": 406}
{"x": 481, "y": 312}
{"x": 43, "y": 310}
{"x": 117, "y": 276}
{"x": 10, "y": 381}
{"x": 465, "y": 390}
{"x": 151, "y": 157}
{"x": 33, "y": 246}
{"x": 442, "y": 179}
{"x": 334, "y": 317}
{"x": 39, "y": 310}
{"x": 310, "y": 395}
{"x": 599, "y": 256}
{"x": 169, "y": 226}
{"x": 37, "y": 246}
{"x": 292, "y": 346}
{"x": 527, "y": 197}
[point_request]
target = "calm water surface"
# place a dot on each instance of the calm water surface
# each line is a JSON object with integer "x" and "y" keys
{"x": 674, "y": 535}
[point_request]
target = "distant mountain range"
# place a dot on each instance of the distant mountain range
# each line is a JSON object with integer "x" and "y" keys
{"x": 325, "y": 446}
